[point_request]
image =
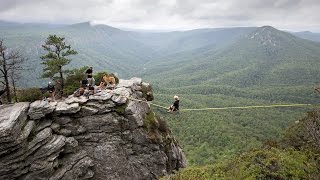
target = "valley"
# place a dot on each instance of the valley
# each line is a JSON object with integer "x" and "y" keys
{"x": 222, "y": 67}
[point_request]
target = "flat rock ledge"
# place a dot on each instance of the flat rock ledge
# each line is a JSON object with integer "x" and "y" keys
{"x": 105, "y": 136}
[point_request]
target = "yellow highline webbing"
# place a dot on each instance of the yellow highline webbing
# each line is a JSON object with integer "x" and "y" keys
{"x": 249, "y": 107}
{"x": 224, "y": 108}
{"x": 139, "y": 100}
{"x": 146, "y": 102}
{"x": 159, "y": 106}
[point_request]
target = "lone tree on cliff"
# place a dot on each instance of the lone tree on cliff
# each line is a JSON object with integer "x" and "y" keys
{"x": 55, "y": 59}
{"x": 10, "y": 64}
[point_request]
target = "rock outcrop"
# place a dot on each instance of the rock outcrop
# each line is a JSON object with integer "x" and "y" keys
{"x": 111, "y": 135}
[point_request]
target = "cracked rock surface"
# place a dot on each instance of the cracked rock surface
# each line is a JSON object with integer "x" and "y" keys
{"x": 105, "y": 136}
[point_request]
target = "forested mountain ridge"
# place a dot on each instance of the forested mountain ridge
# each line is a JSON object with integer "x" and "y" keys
{"x": 264, "y": 57}
{"x": 265, "y": 66}
{"x": 206, "y": 68}
{"x": 99, "y": 46}
{"x": 102, "y": 46}
{"x": 172, "y": 43}
{"x": 272, "y": 57}
{"x": 128, "y": 53}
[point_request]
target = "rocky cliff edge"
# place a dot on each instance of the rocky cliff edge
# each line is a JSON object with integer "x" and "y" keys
{"x": 108, "y": 136}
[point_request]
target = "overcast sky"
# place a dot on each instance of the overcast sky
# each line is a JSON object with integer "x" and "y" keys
{"x": 294, "y": 15}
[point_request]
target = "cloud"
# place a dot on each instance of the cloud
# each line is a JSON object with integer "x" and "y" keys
{"x": 168, "y": 14}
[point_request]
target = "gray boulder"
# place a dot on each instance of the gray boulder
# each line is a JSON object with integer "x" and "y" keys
{"x": 147, "y": 91}
{"x": 64, "y": 108}
{"x": 80, "y": 100}
{"x": 12, "y": 119}
{"x": 40, "y": 109}
{"x": 101, "y": 96}
{"x": 120, "y": 95}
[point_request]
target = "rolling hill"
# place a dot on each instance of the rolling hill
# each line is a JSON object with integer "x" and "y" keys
{"x": 264, "y": 59}
{"x": 265, "y": 56}
{"x": 308, "y": 35}
{"x": 172, "y": 43}
{"x": 104, "y": 47}
{"x": 107, "y": 48}
{"x": 240, "y": 57}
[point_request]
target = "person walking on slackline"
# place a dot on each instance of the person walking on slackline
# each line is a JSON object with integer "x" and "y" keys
{"x": 175, "y": 105}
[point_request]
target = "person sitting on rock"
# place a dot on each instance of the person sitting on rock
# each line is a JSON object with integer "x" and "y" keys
{"x": 79, "y": 92}
{"x": 91, "y": 90}
{"x": 86, "y": 93}
{"x": 90, "y": 78}
{"x": 84, "y": 83}
{"x": 175, "y": 105}
{"x": 85, "y": 89}
{"x": 51, "y": 90}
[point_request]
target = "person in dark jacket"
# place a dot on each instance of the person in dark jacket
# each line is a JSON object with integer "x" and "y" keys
{"x": 90, "y": 79}
{"x": 175, "y": 105}
{"x": 51, "y": 89}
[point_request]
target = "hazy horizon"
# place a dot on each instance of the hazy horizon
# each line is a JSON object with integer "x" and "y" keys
{"x": 147, "y": 30}
{"x": 168, "y": 15}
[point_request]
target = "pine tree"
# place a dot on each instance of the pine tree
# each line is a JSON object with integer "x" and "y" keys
{"x": 55, "y": 59}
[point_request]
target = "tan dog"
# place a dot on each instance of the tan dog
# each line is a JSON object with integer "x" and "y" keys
{"x": 109, "y": 80}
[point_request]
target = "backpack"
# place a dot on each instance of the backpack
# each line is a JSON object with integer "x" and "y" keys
{"x": 50, "y": 87}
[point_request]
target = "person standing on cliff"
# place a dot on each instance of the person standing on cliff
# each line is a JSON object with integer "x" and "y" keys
{"x": 90, "y": 78}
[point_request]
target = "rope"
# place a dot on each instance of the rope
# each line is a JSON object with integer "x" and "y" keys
{"x": 248, "y": 107}
{"x": 146, "y": 102}
{"x": 159, "y": 106}
{"x": 221, "y": 108}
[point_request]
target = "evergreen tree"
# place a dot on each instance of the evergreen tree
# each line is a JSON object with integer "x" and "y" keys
{"x": 73, "y": 79}
{"x": 55, "y": 59}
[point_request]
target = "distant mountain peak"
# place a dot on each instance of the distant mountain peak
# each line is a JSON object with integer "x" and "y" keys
{"x": 89, "y": 24}
{"x": 267, "y": 35}
{"x": 267, "y": 28}
{"x": 306, "y": 32}
{"x": 8, "y": 24}
{"x": 82, "y": 24}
